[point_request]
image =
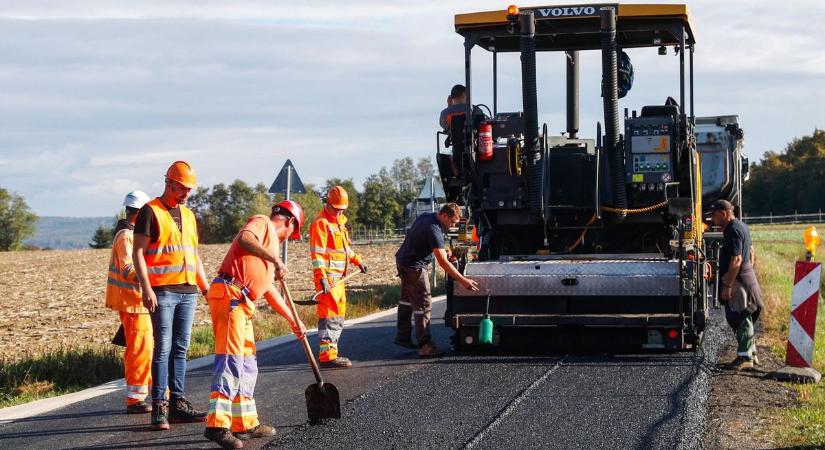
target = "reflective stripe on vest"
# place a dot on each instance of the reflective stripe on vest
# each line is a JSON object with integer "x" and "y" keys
{"x": 172, "y": 259}
{"x": 122, "y": 287}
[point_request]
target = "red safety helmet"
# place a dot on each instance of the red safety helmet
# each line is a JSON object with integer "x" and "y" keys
{"x": 293, "y": 209}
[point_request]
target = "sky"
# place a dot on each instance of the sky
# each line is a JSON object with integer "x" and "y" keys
{"x": 98, "y": 97}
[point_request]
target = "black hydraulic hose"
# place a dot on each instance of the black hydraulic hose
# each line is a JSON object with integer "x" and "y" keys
{"x": 610, "y": 97}
{"x": 532, "y": 150}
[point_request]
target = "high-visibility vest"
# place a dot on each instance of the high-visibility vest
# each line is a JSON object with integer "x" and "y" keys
{"x": 329, "y": 247}
{"x": 172, "y": 258}
{"x": 122, "y": 287}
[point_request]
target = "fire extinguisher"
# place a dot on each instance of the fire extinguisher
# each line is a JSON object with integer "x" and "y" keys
{"x": 485, "y": 141}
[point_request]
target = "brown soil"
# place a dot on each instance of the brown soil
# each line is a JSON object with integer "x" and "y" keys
{"x": 742, "y": 405}
{"x": 55, "y": 298}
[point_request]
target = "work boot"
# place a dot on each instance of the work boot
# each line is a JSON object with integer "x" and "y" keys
{"x": 140, "y": 407}
{"x": 160, "y": 415}
{"x": 182, "y": 411}
{"x": 337, "y": 363}
{"x": 405, "y": 341}
{"x": 740, "y": 363}
{"x": 258, "y": 431}
{"x": 223, "y": 437}
{"x": 429, "y": 350}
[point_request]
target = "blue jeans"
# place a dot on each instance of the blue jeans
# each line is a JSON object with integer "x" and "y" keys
{"x": 172, "y": 328}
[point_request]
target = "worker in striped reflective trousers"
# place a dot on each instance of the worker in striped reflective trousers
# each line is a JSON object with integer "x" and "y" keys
{"x": 246, "y": 274}
{"x": 123, "y": 295}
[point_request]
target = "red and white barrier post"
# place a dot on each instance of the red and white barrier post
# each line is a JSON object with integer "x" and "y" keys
{"x": 804, "y": 302}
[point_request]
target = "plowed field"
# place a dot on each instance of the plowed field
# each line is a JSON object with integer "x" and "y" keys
{"x": 55, "y": 298}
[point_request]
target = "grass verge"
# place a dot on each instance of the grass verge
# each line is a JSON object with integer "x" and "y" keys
{"x": 777, "y": 249}
{"x": 69, "y": 370}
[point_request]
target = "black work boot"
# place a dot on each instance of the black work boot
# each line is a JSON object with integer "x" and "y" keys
{"x": 223, "y": 437}
{"x": 160, "y": 415}
{"x": 405, "y": 341}
{"x": 181, "y": 411}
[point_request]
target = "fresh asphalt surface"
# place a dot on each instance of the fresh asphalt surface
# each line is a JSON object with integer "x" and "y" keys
{"x": 391, "y": 399}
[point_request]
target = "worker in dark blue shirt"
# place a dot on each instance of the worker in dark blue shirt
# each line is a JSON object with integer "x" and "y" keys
{"x": 424, "y": 241}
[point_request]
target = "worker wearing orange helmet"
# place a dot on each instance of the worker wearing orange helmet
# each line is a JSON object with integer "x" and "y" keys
{"x": 332, "y": 257}
{"x": 246, "y": 274}
{"x": 123, "y": 295}
{"x": 171, "y": 275}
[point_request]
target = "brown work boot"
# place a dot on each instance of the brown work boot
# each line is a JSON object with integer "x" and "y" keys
{"x": 740, "y": 363}
{"x": 140, "y": 407}
{"x": 160, "y": 415}
{"x": 256, "y": 432}
{"x": 181, "y": 411}
{"x": 223, "y": 437}
{"x": 429, "y": 350}
{"x": 337, "y": 363}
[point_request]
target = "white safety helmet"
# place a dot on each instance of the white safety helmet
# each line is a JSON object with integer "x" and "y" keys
{"x": 135, "y": 199}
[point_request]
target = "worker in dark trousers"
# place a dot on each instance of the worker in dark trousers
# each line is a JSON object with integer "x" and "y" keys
{"x": 739, "y": 288}
{"x": 425, "y": 239}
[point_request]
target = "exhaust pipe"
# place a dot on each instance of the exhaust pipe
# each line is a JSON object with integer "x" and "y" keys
{"x": 572, "y": 94}
{"x": 610, "y": 97}
{"x": 532, "y": 150}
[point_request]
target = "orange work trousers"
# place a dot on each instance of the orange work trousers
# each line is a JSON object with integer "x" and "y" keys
{"x": 236, "y": 367}
{"x": 137, "y": 359}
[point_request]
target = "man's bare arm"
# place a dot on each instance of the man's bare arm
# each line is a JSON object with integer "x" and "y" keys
{"x": 138, "y": 255}
{"x": 250, "y": 243}
{"x": 444, "y": 262}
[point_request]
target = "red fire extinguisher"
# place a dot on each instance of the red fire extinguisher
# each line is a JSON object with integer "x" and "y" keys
{"x": 485, "y": 141}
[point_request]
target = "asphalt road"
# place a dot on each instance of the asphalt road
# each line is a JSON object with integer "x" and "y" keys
{"x": 391, "y": 399}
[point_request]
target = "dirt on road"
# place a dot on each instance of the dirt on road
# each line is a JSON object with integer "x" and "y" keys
{"x": 52, "y": 299}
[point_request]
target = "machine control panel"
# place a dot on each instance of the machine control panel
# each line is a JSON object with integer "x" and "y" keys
{"x": 648, "y": 144}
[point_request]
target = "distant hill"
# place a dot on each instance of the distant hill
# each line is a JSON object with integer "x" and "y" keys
{"x": 66, "y": 232}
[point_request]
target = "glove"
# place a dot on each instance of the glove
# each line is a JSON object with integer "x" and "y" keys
{"x": 363, "y": 267}
{"x": 325, "y": 286}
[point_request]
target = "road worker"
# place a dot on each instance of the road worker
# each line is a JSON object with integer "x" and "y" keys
{"x": 246, "y": 275}
{"x": 123, "y": 295}
{"x": 425, "y": 239}
{"x": 456, "y": 105}
{"x": 171, "y": 275}
{"x": 332, "y": 258}
{"x": 739, "y": 288}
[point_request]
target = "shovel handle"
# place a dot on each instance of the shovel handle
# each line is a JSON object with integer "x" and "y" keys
{"x": 314, "y": 299}
{"x": 304, "y": 341}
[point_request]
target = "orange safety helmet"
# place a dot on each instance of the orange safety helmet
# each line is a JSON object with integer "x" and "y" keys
{"x": 183, "y": 173}
{"x": 292, "y": 208}
{"x": 338, "y": 198}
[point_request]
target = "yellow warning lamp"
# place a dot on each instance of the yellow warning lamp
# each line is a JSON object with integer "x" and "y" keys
{"x": 512, "y": 10}
{"x": 811, "y": 240}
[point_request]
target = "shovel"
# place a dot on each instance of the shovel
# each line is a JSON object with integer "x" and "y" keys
{"x": 322, "y": 398}
{"x": 314, "y": 299}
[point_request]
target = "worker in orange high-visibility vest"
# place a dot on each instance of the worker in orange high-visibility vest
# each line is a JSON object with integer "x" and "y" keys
{"x": 332, "y": 257}
{"x": 246, "y": 275}
{"x": 123, "y": 295}
{"x": 171, "y": 275}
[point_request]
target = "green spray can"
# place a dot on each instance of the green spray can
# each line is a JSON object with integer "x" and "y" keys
{"x": 485, "y": 327}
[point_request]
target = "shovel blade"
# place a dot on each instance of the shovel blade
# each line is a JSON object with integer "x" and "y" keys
{"x": 322, "y": 402}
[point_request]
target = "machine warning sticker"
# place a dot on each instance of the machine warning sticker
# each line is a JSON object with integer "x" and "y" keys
{"x": 638, "y": 177}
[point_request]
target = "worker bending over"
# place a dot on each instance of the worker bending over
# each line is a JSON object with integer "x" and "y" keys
{"x": 246, "y": 275}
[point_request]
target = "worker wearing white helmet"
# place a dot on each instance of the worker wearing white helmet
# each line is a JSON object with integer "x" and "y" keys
{"x": 124, "y": 296}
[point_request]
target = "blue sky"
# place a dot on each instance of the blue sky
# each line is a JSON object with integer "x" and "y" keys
{"x": 98, "y": 97}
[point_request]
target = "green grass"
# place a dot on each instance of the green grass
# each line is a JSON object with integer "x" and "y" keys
{"x": 777, "y": 249}
{"x": 58, "y": 372}
{"x": 72, "y": 369}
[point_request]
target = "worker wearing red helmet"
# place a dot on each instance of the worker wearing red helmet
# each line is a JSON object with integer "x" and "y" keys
{"x": 332, "y": 257}
{"x": 246, "y": 274}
